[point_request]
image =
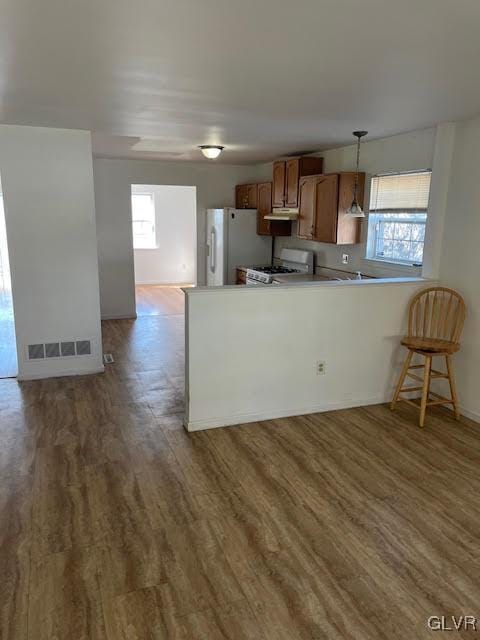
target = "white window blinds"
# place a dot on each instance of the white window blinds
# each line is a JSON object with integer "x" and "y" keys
{"x": 404, "y": 192}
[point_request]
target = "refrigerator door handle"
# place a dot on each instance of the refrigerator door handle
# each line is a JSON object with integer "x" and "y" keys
{"x": 213, "y": 250}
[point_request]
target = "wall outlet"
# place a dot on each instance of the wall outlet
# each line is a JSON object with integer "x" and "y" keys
{"x": 320, "y": 368}
{"x": 345, "y": 258}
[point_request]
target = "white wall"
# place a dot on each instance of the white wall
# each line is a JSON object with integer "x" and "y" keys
{"x": 48, "y": 195}
{"x": 215, "y": 185}
{"x": 460, "y": 265}
{"x": 173, "y": 261}
{"x": 246, "y": 368}
{"x": 403, "y": 152}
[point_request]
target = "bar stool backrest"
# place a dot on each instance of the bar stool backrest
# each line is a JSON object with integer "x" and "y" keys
{"x": 436, "y": 313}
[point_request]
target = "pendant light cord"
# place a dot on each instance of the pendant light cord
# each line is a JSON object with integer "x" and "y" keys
{"x": 355, "y": 188}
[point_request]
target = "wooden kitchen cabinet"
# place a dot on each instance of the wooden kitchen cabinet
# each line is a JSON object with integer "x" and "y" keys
{"x": 286, "y": 176}
{"x": 269, "y": 227}
{"x": 241, "y": 276}
{"x": 246, "y": 196}
{"x": 323, "y": 201}
{"x": 279, "y": 171}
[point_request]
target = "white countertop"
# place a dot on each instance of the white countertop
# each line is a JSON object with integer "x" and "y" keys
{"x": 312, "y": 282}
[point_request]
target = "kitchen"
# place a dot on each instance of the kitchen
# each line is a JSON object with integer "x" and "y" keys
{"x": 279, "y": 230}
{"x": 324, "y": 315}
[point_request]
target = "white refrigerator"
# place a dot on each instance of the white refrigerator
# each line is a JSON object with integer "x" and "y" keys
{"x": 232, "y": 241}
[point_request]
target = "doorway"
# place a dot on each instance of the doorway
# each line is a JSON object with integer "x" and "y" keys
{"x": 164, "y": 246}
{"x": 8, "y": 345}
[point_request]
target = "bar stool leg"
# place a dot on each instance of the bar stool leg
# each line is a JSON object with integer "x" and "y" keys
{"x": 401, "y": 379}
{"x": 426, "y": 388}
{"x": 453, "y": 386}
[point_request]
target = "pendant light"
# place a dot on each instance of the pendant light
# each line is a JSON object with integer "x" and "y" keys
{"x": 355, "y": 210}
{"x": 211, "y": 151}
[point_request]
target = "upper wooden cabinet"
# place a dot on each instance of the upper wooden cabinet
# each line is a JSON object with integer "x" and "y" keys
{"x": 323, "y": 201}
{"x": 278, "y": 199}
{"x": 286, "y": 175}
{"x": 264, "y": 207}
{"x": 246, "y": 196}
{"x": 269, "y": 227}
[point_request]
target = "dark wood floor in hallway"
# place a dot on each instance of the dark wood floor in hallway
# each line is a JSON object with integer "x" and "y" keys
{"x": 116, "y": 524}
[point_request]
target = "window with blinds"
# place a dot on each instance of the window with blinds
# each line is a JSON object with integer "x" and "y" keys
{"x": 397, "y": 217}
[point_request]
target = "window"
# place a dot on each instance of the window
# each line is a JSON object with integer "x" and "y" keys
{"x": 397, "y": 217}
{"x": 143, "y": 221}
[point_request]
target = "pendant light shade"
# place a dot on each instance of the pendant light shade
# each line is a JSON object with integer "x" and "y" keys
{"x": 211, "y": 151}
{"x": 355, "y": 210}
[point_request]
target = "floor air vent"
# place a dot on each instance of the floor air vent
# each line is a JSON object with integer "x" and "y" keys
{"x": 68, "y": 348}
{"x": 52, "y": 350}
{"x": 36, "y": 351}
{"x": 84, "y": 347}
{"x": 65, "y": 349}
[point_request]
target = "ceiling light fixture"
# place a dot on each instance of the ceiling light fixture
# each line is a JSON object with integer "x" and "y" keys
{"x": 211, "y": 151}
{"x": 355, "y": 210}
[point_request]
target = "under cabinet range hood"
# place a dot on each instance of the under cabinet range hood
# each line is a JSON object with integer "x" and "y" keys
{"x": 282, "y": 213}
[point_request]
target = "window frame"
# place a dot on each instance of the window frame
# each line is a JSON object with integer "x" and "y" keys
{"x": 375, "y": 218}
{"x": 153, "y": 235}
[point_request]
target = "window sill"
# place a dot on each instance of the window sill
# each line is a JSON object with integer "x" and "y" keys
{"x": 393, "y": 265}
{"x": 146, "y": 248}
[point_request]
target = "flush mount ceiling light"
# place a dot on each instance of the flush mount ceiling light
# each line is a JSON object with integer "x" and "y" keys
{"x": 211, "y": 151}
{"x": 355, "y": 210}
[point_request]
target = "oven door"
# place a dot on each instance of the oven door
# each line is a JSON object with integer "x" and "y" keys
{"x": 251, "y": 282}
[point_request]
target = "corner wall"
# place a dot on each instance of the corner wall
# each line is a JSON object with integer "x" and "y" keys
{"x": 47, "y": 182}
{"x": 460, "y": 263}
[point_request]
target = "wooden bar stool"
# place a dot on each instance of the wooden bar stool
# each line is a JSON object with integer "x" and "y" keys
{"x": 435, "y": 322}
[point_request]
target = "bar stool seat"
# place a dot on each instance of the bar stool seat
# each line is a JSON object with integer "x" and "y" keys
{"x": 431, "y": 345}
{"x": 435, "y": 322}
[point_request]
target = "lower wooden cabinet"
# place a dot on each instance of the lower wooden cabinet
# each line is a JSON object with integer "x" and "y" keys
{"x": 241, "y": 276}
{"x": 323, "y": 201}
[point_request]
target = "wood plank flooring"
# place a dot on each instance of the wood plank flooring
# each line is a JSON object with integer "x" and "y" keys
{"x": 115, "y": 524}
{"x": 159, "y": 300}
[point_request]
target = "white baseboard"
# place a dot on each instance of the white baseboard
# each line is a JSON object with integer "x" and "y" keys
{"x": 163, "y": 284}
{"x": 472, "y": 415}
{"x": 129, "y": 316}
{"x": 59, "y": 374}
{"x": 273, "y": 414}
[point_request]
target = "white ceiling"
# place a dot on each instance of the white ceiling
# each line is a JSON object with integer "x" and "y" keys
{"x": 156, "y": 78}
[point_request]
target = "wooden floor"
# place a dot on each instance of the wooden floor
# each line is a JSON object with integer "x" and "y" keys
{"x": 159, "y": 300}
{"x": 116, "y": 524}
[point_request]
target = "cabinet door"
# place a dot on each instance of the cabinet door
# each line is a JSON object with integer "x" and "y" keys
{"x": 278, "y": 198}
{"x": 264, "y": 207}
{"x": 241, "y": 196}
{"x": 252, "y": 197}
{"x": 326, "y": 208}
{"x": 292, "y": 174}
{"x": 241, "y": 277}
{"x": 306, "y": 212}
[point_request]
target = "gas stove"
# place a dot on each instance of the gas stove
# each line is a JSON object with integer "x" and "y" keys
{"x": 291, "y": 261}
{"x": 264, "y": 275}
